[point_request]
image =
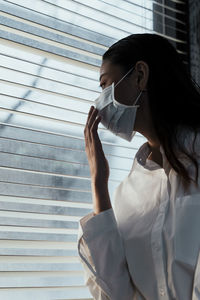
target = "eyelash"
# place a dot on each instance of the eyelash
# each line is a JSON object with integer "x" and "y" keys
{"x": 101, "y": 85}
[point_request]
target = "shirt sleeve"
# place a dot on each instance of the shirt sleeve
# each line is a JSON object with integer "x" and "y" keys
{"x": 196, "y": 286}
{"x": 102, "y": 255}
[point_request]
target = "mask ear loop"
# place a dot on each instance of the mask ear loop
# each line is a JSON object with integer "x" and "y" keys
{"x": 138, "y": 97}
{"x": 124, "y": 76}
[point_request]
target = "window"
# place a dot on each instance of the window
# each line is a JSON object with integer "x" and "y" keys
{"x": 50, "y": 53}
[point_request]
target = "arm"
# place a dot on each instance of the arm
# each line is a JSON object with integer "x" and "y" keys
{"x": 102, "y": 254}
{"x": 100, "y": 245}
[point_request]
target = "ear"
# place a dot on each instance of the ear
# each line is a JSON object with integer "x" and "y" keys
{"x": 142, "y": 73}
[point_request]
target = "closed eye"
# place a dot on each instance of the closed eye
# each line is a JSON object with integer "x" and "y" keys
{"x": 102, "y": 85}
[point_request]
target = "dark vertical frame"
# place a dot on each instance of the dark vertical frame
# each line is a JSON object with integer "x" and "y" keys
{"x": 194, "y": 38}
{"x": 173, "y": 28}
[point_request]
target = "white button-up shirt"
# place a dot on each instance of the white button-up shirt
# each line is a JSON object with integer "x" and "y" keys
{"x": 147, "y": 246}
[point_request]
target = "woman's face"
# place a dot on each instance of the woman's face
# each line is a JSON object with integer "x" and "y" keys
{"x": 127, "y": 91}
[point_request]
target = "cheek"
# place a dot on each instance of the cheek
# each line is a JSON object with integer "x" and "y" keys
{"x": 108, "y": 82}
{"x": 125, "y": 95}
{"x": 139, "y": 119}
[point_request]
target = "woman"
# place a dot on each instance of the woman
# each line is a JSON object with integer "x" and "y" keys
{"x": 147, "y": 245}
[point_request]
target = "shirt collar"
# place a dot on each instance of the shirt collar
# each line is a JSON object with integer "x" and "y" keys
{"x": 142, "y": 155}
{"x": 145, "y": 150}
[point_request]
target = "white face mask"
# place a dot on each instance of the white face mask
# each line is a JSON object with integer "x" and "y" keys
{"x": 116, "y": 117}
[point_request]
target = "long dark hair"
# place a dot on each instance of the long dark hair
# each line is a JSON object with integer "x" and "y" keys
{"x": 174, "y": 99}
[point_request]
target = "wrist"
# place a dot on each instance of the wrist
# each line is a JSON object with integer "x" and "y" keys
{"x": 99, "y": 183}
{"x": 100, "y": 195}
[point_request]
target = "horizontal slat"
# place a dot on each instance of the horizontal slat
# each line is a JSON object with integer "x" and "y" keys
{"x": 136, "y": 8}
{"x": 46, "y": 85}
{"x": 66, "y": 141}
{"x": 40, "y": 279}
{"x": 53, "y": 126}
{"x": 71, "y": 42}
{"x": 18, "y": 263}
{"x": 41, "y": 180}
{"x": 43, "y": 193}
{"x": 168, "y": 34}
{"x": 171, "y": 7}
{"x": 20, "y": 190}
{"x": 46, "y": 102}
{"x": 144, "y": 6}
{"x": 171, "y": 4}
{"x": 23, "y": 111}
{"x": 92, "y": 21}
{"x": 133, "y": 13}
{"x": 48, "y": 48}
{"x": 46, "y": 202}
{"x": 15, "y": 116}
{"x": 125, "y": 16}
{"x": 60, "y": 155}
{"x": 51, "y": 36}
{"x": 167, "y": 14}
{"x": 30, "y": 234}
{"x": 49, "y": 22}
{"x": 53, "y": 167}
{"x": 67, "y": 293}
{"x": 41, "y": 71}
{"x": 38, "y": 60}
{"x": 42, "y": 209}
{"x": 38, "y": 248}
{"x": 37, "y": 252}
{"x": 127, "y": 6}
{"x": 28, "y": 222}
{"x": 96, "y": 11}
{"x": 43, "y": 165}
{"x": 71, "y": 217}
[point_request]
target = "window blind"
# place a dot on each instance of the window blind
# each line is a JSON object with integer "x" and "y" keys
{"x": 50, "y": 54}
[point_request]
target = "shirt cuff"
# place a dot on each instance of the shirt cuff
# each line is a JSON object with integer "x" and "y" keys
{"x": 92, "y": 225}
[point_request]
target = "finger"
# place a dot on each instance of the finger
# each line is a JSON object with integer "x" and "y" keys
{"x": 89, "y": 114}
{"x": 88, "y": 137}
{"x": 86, "y": 133}
{"x": 92, "y": 118}
{"x": 95, "y": 124}
{"x": 94, "y": 133}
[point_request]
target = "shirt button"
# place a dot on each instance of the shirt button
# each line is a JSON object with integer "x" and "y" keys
{"x": 162, "y": 292}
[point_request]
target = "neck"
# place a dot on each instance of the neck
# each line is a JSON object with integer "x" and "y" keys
{"x": 155, "y": 154}
{"x": 151, "y": 138}
{"x": 154, "y": 145}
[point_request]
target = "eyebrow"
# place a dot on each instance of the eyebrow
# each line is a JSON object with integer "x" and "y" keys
{"x": 102, "y": 75}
